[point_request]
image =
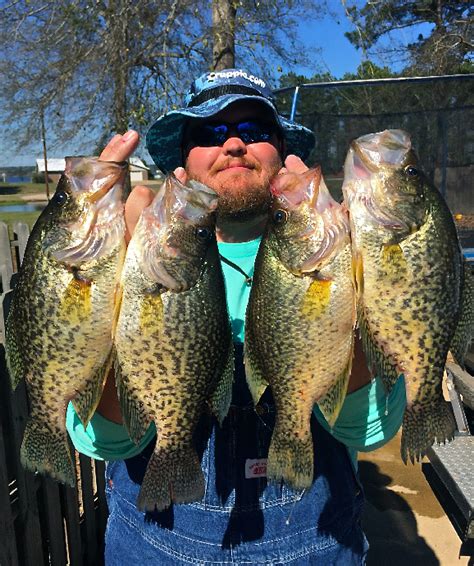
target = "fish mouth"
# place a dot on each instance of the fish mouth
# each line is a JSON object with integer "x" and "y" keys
{"x": 364, "y": 168}
{"x": 336, "y": 229}
{"x": 159, "y": 258}
{"x": 101, "y": 226}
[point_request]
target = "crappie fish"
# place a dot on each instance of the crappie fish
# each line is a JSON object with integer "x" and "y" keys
{"x": 173, "y": 344}
{"x": 465, "y": 329}
{"x": 59, "y": 328}
{"x": 409, "y": 268}
{"x": 299, "y": 336}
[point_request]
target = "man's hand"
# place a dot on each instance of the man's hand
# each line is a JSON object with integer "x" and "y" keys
{"x": 293, "y": 164}
{"x": 121, "y": 148}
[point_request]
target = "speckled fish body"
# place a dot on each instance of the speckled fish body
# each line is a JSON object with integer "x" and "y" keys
{"x": 409, "y": 269}
{"x": 465, "y": 328}
{"x": 174, "y": 341}
{"x": 300, "y": 319}
{"x": 59, "y": 328}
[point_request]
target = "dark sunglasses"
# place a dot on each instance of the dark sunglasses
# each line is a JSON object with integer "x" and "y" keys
{"x": 249, "y": 131}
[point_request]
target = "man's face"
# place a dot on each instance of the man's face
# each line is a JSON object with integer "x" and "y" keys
{"x": 239, "y": 173}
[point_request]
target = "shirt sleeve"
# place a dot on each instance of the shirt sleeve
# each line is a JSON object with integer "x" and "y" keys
{"x": 103, "y": 439}
{"x": 369, "y": 418}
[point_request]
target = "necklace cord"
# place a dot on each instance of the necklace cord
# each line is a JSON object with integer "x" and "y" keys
{"x": 248, "y": 279}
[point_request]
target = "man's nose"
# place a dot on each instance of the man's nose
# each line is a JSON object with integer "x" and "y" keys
{"x": 234, "y": 146}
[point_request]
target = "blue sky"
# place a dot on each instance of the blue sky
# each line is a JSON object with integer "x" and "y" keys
{"x": 332, "y": 53}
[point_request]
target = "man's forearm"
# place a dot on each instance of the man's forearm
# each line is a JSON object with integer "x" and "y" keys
{"x": 109, "y": 405}
{"x": 360, "y": 374}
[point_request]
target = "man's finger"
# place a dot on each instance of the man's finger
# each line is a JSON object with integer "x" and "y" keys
{"x": 295, "y": 165}
{"x": 120, "y": 147}
{"x": 180, "y": 174}
{"x": 139, "y": 198}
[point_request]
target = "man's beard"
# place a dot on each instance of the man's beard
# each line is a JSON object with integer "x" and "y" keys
{"x": 245, "y": 206}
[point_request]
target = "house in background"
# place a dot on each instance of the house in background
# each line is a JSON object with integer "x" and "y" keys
{"x": 56, "y": 167}
{"x": 138, "y": 170}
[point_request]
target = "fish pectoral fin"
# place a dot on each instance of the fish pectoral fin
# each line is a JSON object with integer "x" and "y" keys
{"x": 393, "y": 261}
{"x": 358, "y": 273}
{"x": 316, "y": 299}
{"x": 134, "y": 418}
{"x": 222, "y": 395}
{"x": 331, "y": 404}
{"x": 76, "y": 302}
{"x": 86, "y": 401}
{"x": 379, "y": 364}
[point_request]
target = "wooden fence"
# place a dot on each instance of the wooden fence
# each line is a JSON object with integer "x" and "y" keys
{"x": 41, "y": 521}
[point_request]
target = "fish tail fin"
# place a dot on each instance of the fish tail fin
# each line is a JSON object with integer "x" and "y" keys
{"x": 422, "y": 428}
{"x": 48, "y": 451}
{"x": 172, "y": 476}
{"x": 291, "y": 458}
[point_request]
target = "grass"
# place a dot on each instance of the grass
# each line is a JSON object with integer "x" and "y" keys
{"x": 10, "y": 218}
{"x": 11, "y": 192}
{"x": 19, "y": 193}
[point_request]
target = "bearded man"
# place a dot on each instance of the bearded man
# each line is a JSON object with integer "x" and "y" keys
{"x": 230, "y": 136}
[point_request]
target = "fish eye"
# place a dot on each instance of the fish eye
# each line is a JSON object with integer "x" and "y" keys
{"x": 203, "y": 234}
{"x": 411, "y": 171}
{"x": 60, "y": 198}
{"x": 280, "y": 216}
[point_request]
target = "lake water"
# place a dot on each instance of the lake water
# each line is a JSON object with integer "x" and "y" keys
{"x": 15, "y": 179}
{"x": 29, "y": 207}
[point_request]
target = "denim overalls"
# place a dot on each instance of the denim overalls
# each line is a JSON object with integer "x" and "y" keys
{"x": 241, "y": 520}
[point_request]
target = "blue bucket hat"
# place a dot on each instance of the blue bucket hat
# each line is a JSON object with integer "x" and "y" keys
{"x": 209, "y": 94}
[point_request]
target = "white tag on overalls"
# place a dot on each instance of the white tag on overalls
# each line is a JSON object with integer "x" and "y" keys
{"x": 255, "y": 468}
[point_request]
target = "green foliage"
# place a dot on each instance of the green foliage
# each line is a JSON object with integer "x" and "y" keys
{"x": 435, "y": 114}
{"x": 38, "y": 177}
{"x": 97, "y": 67}
{"x": 447, "y": 47}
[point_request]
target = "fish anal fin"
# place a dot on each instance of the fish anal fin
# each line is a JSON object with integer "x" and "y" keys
{"x": 86, "y": 401}
{"x": 379, "y": 364}
{"x": 331, "y": 404}
{"x": 221, "y": 397}
{"x": 134, "y": 417}
{"x": 257, "y": 384}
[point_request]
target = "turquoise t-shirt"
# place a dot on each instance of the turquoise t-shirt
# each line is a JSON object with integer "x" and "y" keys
{"x": 368, "y": 418}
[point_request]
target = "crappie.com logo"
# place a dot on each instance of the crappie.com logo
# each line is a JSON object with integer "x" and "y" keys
{"x": 233, "y": 75}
